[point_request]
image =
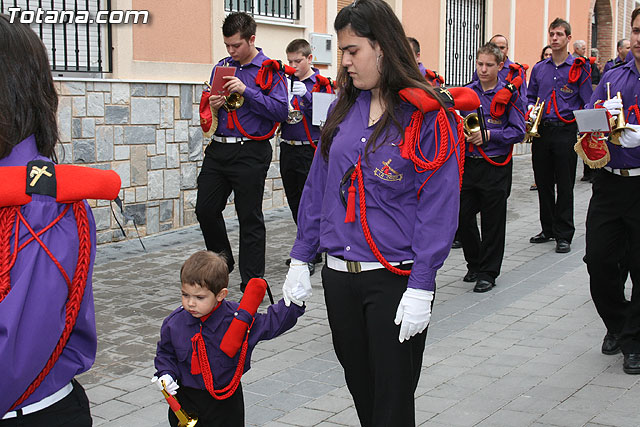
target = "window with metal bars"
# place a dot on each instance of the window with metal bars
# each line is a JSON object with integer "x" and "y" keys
{"x": 464, "y": 34}
{"x": 283, "y": 9}
{"x": 71, "y": 46}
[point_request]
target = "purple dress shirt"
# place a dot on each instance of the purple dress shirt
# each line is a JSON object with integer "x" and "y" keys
{"x": 403, "y": 226}
{"x": 174, "y": 351}
{"x": 547, "y": 76}
{"x": 506, "y": 130}
{"x": 260, "y": 109}
{"x": 32, "y": 315}
{"x": 612, "y": 63}
{"x": 296, "y": 132}
{"x": 422, "y": 69}
{"x": 626, "y": 80}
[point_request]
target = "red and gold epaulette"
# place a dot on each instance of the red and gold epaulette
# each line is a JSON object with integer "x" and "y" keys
{"x": 66, "y": 183}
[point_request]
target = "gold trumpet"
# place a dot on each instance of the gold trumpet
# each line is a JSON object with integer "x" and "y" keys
{"x": 619, "y": 123}
{"x": 471, "y": 124}
{"x": 533, "y": 122}
{"x": 233, "y": 102}
{"x": 184, "y": 420}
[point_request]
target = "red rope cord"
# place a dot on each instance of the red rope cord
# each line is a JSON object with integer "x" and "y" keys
{"x": 205, "y": 368}
{"x": 7, "y": 221}
{"x": 234, "y": 117}
{"x": 296, "y": 105}
{"x": 555, "y": 107}
{"x": 74, "y": 298}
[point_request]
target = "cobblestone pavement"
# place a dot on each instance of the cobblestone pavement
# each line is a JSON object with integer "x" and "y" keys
{"x": 526, "y": 353}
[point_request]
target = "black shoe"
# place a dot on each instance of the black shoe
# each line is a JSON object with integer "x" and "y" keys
{"x": 533, "y": 187}
{"x": 585, "y": 178}
{"x": 312, "y": 268}
{"x": 631, "y": 364}
{"x": 288, "y": 261}
{"x": 540, "y": 238}
{"x": 243, "y": 287}
{"x": 483, "y": 286}
{"x": 563, "y": 246}
{"x": 610, "y": 344}
{"x": 470, "y": 277}
{"x": 457, "y": 244}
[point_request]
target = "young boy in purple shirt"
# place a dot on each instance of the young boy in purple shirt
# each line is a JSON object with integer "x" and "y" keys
{"x": 206, "y": 314}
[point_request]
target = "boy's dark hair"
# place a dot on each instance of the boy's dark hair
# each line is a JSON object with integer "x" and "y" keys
{"x": 239, "y": 22}
{"x": 206, "y": 269}
{"x": 634, "y": 15}
{"x": 561, "y": 23}
{"x": 491, "y": 49}
{"x": 415, "y": 44}
{"x": 299, "y": 45}
{"x": 28, "y": 98}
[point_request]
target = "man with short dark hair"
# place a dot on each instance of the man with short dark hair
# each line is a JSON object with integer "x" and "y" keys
{"x": 564, "y": 83}
{"x": 623, "y": 47}
{"x": 239, "y": 155}
{"x": 509, "y": 69}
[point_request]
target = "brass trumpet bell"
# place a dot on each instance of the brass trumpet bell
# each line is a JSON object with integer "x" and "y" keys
{"x": 471, "y": 124}
{"x": 620, "y": 124}
{"x": 294, "y": 117}
{"x": 184, "y": 420}
{"x": 233, "y": 102}
{"x": 533, "y": 122}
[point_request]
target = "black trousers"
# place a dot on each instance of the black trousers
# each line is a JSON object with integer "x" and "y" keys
{"x": 554, "y": 169}
{"x": 381, "y": 373}
{"x": 209, "y": 411}
{"x": 485, "y": 189}
{"x": 295, "y": 162}
{"x": 72, "y": 411}
{"x": 241, "y": 168}
{"x": 613, "y": 245}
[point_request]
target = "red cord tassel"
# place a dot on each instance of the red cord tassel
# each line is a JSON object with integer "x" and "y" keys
{"x": 351, "y": 202}
{"x": 229, "y": 120}
{"x": 195, "y": 362}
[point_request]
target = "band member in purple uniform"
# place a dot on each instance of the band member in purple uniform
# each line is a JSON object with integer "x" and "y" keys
{"x": 623, "y": 47}
{"x": 47, "y": 248}
{"x": 384, "y": 207}
{"x": 564, "y": 83}
{"x": 613, "y": 229}
{"x": 486, "y": 182}
{"x": 239, "y": 155}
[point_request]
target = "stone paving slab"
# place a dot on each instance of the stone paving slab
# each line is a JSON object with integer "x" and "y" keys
{"x": 525, "y": 354}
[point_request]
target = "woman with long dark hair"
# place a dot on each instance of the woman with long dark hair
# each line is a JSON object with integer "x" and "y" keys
{"x": 47, "y": 247}
{"x": 382, "y": 200}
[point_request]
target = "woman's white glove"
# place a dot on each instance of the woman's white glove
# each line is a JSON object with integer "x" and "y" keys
{"x": 299, "y": 88}
{"x": 297, "y": 285}
{"x": 169, "y": 383}
{"x": 613, "y": 106}
{"x": 414, "y": 312}
{"x": 629, "y": 138}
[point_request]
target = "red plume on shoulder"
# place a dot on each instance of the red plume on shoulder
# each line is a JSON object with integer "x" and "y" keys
{"x": 576, "y": 69}
{"x": 289, "y": 71}
{"x": 322, "y": 82}
{"x": 460, "y": 98}
{"x": 433, "y": 77}
{"x": 264, "y": 78}
{"x": 253, "y": 296}
{"x": 503, "y": 96}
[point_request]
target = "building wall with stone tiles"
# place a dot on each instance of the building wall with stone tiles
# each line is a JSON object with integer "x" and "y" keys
{"x": 148, "y": 133}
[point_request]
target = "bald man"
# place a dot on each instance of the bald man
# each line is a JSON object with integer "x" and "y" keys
{"x": 580, "y": 48}
{"x": 503, "y": 44}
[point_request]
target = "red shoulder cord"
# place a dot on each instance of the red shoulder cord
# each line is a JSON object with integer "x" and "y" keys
{"x": 412, "y": 136}
{"x": 10, "y": 219}
{"x": 264, "y": 79}
{"x": 555, "y": 107}
{"x": 433, "y": 77}
{"x": 203, "y": 367}
{"x": 321, "y": 83}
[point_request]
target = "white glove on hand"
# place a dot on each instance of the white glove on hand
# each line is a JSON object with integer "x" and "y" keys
{"x": 414, "y": 312}
{"x": 297, "y": 285}
{"x": 629, "y": 138}
{"x": 613, "y": 106}
{"x": 299, "y": 88}
{"x": 169, "y": 383}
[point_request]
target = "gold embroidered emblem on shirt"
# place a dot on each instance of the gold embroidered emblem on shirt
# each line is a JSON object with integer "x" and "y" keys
{"x": 566, "y": 89}
{"x": 387, "y": 173}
